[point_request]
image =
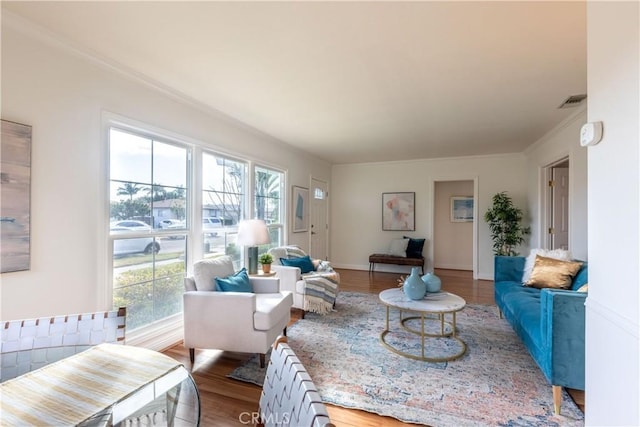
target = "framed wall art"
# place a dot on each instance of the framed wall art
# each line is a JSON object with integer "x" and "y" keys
{"x": 398, "y": 211}
{"x": 15, "y": 187}
{"x": 300, "y": 207}
{"x": 462, "y": 209}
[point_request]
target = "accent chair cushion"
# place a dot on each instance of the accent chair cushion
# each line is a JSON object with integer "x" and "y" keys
{"x": 238, "y": 282}
{"x": 414, "y": 247}
{"x": 270, "y": 309}
{"x": 398, "y": 247}
{"x": 304, "y": 263}
{"x": 552, "y": 273}
{"x": 206, "y": 270}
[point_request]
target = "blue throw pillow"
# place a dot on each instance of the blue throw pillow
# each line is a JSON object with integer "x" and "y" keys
{"x": 238, "y": 282}
{"x": 414, "y": 248}
{"x": 303, "y": 263}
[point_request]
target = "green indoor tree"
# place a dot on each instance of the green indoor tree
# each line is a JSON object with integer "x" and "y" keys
{"x": 505, "y": 223}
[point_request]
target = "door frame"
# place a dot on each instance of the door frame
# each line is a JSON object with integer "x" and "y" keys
{"x": 327, "y": 210}
{"x": 431, "y": 244}
{"x": 546, "y": 204}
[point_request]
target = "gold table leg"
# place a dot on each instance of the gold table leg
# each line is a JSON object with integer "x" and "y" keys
{"x": 424, "y": 335}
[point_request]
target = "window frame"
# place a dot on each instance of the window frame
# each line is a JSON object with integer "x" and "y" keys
{"x": 168, "y": 331}
{"x": 155, "y": 233}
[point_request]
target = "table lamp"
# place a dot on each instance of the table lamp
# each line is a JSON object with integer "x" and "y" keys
{"x": 251, "y": 233}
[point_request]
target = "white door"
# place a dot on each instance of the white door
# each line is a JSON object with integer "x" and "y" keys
{"x": 318, "y": 220}
{"x": 560, "y": 208}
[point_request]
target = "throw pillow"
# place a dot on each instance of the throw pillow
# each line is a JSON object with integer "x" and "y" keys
{"x": 560, "y": 254}
{"x": 584, "y": 288}
{"x": 552, "y": 273}
{"x": 398, "y": 247}
{"x": 238, "y": 282}
{"x": 303, "y": 263}
{"x": 414, "y": 247}
{"x": 205, "y": 271}
{"x": 323, "y": 266}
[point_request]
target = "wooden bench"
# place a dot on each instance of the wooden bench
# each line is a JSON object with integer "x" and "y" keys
{"x": 392, "y": 259}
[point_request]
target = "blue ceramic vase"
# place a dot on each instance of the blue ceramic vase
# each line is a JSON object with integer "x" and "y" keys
{"x": 432, "y": 282}
{"x": 413, "y": 286}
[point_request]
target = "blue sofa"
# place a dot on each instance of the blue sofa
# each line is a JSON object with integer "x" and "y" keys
{"x": 550, "y": 323}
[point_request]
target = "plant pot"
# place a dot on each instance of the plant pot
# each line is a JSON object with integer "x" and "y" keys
{"x": 266, "y": 268}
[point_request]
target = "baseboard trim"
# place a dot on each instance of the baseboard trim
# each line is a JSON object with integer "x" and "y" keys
{"x": 455, "y": 267}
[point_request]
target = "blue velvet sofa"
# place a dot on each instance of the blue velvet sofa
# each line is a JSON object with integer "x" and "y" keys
{"x": 550, "y": 323}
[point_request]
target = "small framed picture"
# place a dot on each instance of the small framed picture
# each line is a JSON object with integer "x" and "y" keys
{"x": 300, "y": 207}
{"x": 462, "y": 209}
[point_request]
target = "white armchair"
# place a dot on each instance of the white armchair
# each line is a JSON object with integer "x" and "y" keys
{"x": 233, "y": 321}
{"x": 313, "y": 291}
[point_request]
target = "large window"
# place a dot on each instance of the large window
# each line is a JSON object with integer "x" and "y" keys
{"x": 152, "y": 236}
{"x": 268, "y": 202}
{"x": 224, "y": 183}
{"x": 148, "y": 227}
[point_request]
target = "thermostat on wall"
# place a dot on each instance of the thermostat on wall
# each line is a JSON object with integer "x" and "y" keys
{"x": 590, "y": 133}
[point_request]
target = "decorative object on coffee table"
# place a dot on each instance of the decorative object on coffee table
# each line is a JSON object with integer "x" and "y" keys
{"x": 413, "y": 287}
{"x": 432, "y": 282}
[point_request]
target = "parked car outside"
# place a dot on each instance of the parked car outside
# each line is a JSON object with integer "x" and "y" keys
{"x": 176, "y": 224}
{"x": 124, "y": 246}
{"x": 171, "y": 223}
{"x": 210, "y": 223}
{"x": 130, "y": 224}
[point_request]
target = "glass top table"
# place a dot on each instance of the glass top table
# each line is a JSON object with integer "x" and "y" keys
{"x": 432, "y": 308}
{"x": 102, "y": 386}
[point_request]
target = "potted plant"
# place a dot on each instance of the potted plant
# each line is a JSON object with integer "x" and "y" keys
{"x": 505, "y": 223}
{"x": 266, "y": 259}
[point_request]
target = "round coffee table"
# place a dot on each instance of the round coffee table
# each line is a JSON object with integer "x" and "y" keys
{"x": 437, "y": 304}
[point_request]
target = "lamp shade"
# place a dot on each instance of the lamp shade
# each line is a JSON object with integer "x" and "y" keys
{"x": 252, "y": 232}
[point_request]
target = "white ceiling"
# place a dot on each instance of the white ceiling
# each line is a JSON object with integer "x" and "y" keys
{"x": 351, "y": 82}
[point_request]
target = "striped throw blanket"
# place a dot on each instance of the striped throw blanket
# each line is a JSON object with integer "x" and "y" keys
{"x": 321, "y": 290}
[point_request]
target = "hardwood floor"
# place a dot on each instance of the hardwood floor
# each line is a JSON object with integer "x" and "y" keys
{"x": 226, "y": 402}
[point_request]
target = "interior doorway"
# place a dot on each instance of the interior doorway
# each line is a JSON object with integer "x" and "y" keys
{"x": 557, "y": 210}
{"x": 454, "y": 235}
{"x": 318, "y": 219}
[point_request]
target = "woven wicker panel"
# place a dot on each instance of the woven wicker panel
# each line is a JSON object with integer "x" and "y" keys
{"x": 32, "y": 343}
{"x": 289, "y": 396}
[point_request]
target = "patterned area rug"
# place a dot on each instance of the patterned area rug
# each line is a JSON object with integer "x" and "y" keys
{"x": 496, "y": 382}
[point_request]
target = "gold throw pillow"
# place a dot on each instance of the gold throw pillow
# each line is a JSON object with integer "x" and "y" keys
{"x": 552, "y": 273}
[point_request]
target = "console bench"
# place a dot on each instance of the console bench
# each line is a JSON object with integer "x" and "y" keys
{"x": 392, "y": 259}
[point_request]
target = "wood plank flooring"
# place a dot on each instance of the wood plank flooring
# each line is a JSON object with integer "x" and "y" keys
{"x": 226, "y": 402}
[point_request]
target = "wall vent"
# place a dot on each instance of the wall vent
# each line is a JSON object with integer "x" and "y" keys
{"x": 573, "y": 101}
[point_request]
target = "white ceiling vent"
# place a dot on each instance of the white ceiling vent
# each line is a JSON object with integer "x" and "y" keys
{"x": 573, "y": 101}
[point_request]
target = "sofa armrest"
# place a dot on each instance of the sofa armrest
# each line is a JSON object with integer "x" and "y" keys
{"x": 190, "y": 284}
{"x": 563, "y": 332}
{"x": 288, "y": 276}
{"x": 265, "y": 285}
{"x": 205, "y": 312}
{"x": 508, "y": 268}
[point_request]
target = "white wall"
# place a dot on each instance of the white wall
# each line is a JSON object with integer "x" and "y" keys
{"x": 452, "y": 241}
{"x": 613, "y": 306}
{"x": 356, "y": 203}
{"x": 560, "y": 142}
{"x": 63, "y": 95}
